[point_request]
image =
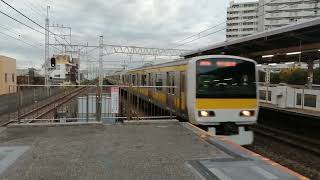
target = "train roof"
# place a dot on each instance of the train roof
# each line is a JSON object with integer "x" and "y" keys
{"x": 185, "y": 61}
{"x": 171, "y": 63}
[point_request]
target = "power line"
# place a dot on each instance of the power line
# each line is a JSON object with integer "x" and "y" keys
{"x": 11, "y": 30}
{"x": 21, "y": 22}
{"x": 222, "y": 29}
{"x": 34, "y": 8}
{"x": 217, "y": 25}
{"x": 15, "y": 32}
{"x": 32, "y": 22}
{"x": 19, "y": 40}
{"x": 38, "y": 14}
{"x": 39, "y": 5}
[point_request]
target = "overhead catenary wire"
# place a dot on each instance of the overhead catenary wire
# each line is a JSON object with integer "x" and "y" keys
{"x": 215, "y": 26}
{"x": 221, "y": 29}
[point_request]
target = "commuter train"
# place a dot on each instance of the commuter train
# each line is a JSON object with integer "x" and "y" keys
{"x": 217, "y": 92}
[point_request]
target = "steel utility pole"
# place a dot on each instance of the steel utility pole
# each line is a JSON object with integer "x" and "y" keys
{"x": 100, "y": 60}
{"x": 46, "y": 52}
{"x": 79, "y": 73}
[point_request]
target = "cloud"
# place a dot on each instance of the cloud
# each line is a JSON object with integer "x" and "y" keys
{"x": 150, "y": 23}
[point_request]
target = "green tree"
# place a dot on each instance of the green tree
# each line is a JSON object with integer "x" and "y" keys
{"x": 298, "y": 77}
{"x": 284, "y": 75}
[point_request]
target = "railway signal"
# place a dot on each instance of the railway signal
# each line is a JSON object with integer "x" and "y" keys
{"x": 53, "y": 62}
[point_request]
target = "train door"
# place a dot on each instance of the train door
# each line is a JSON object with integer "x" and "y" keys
{"x": 171, "y": 91}
{"x": 183, "y": 93}
{"x": 150, "y": 83}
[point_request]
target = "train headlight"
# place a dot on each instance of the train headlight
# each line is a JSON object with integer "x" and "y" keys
{"x": 206, "y": 114}
{"x": 246, "y": 113}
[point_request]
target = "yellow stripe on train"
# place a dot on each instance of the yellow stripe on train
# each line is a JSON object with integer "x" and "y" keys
{"x": 205, "y": 103}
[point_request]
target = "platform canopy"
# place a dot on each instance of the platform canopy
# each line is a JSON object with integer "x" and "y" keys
{"x": 273, "y": 45}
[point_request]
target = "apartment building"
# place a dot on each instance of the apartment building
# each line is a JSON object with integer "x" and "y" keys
{"x": 8, "y": 75}
{"x": 278, "y": 13}
{"x": 242, "y": 19}
{"x": 248, "y": 18}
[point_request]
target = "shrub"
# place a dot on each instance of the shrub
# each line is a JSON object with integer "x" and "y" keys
{"x": 274, "y": 78}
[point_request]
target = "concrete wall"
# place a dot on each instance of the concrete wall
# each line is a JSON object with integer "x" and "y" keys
{"x": 28, "y": 96}
{"x": 8, "y": 75}
{"x": 290, "y": 97}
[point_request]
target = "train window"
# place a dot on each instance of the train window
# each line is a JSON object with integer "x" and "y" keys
{"x": 263, "y": 95}
{"x": 172, "y": 83}
{"x": 133, "y": 79}
{"x": 149, "y": 79}
{"x": 299, "y": 99}
{"x": 310, "y": 100}
{"x": 143, "y": 79}
{"x": 159, "y": 81}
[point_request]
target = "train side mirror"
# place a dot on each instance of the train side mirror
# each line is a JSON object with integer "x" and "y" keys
{"x": 53, "y": 62}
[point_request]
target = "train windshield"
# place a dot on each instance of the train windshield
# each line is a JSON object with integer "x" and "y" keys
{"x": 226, "y": 78}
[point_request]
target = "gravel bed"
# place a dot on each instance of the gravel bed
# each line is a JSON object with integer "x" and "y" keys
{"x": 293, "y": 158}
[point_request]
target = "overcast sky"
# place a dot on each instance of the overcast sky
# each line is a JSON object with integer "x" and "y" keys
{"x": 150, "y": 23}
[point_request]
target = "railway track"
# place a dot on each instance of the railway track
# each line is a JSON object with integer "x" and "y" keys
{"x": 296, "y": 141}
{"x": 46, "y": 108}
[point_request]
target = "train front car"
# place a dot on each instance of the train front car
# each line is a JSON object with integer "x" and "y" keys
{"x": 223, "y": 95}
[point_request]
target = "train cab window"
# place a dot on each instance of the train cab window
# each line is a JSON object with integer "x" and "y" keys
{"x": 159, "y": 81}
{"x": 225, "y": 78}
{"x": 143, "y": 79}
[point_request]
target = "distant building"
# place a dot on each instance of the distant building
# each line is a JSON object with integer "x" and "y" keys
{"x": 8, "y": 75}
{"x": 274, "y": 67}
{"x": 247, "y": 18}
{"x": 30, "y": 76}
{"x": 66, "y": 70}
{"x": 242, "y": 19}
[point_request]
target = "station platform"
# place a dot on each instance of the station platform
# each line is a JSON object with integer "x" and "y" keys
{"x": 150, "y": 150}
{"x": 292, "y": 111}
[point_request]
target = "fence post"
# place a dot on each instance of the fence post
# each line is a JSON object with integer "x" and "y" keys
{"x": 8, "y": 104}
{"x": 171, "y": 106}
{"x": 302, "y": 99}
{"x": 19, "y": 103}
{"x": 98, "y": 103}
{"x": 87, "y": 110}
